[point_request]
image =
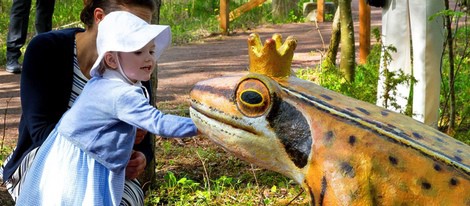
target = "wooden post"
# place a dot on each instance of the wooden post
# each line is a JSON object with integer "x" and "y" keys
{"x": 321, "y": 10}
{"x": 224, "y": 16}
{"x": 244, "y": 8}
{"x": 364, "y": 31}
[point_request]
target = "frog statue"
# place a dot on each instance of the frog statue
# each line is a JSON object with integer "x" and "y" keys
{"x": 342, "y": 151}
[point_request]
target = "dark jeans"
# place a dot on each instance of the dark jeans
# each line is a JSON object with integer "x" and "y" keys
{"x": 18, "y": 27}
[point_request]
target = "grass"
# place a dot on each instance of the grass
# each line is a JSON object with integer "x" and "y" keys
{"x": 196, "y": 172}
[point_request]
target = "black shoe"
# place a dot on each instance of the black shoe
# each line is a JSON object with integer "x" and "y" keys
{"x": 13, "y": 67}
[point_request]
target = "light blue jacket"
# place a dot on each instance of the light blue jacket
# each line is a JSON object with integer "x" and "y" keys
{"x": 103, "y": 120}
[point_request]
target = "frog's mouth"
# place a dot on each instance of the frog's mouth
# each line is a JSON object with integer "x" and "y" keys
{"x": 218, "y": 125}
{"x": 220, "y": 120}
{"x": 231, "y": 137}
{"x": 252, "y": 146}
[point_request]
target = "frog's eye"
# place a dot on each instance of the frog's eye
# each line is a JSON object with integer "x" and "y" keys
{"x": 253, "y": 98}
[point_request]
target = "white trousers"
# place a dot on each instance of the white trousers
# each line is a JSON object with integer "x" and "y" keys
{"x": 406, "y": 25}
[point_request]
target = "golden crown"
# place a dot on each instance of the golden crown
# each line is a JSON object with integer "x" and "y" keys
{"x": 274, "y": 59}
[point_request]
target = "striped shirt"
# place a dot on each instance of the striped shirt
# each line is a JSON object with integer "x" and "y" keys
{"x": 79, "y": 80}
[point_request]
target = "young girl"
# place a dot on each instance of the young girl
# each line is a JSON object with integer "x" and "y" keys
{"x": 53, "y": 62}
{"x": 83, "y": 160}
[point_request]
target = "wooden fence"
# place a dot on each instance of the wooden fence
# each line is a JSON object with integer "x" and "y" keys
{"x": 225, "y": 16}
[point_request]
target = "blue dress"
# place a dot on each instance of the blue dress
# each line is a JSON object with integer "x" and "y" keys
{"x": 83, "y": 160}
{"x": 62, "y": 174}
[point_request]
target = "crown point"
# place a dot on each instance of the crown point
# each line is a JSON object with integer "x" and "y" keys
{"x": 274, "y": 58}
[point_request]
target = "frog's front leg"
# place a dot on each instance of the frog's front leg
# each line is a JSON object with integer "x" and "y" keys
{"x": 340, "y": 181}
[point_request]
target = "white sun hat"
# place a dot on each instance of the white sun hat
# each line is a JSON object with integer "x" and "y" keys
{"x": 122, "y": 31}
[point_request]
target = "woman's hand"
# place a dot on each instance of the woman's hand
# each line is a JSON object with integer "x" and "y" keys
{"x": 139, "y": 136}
{"x": 136, "y": 165}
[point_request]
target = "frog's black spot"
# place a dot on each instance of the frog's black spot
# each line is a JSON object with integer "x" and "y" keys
{"x": 329, "y": 137}
{"x": 352, "y": 140}
{"x": 393, "y": 160}
{"x": 293, "y": 131}
{"x": 347, "y": 170}
{"x": 363, "y": 110}
{"x": 459, "y": 151}
{"x": 454, "y": 181}
{"x": 457, "y": 158}
{"x": 439, "y": 139}
{"x": 437, "y": 167}
{"x": 384, "y": 113}
{"x": 326, "y": 97}
{"x": 417, "y": 135}
{"x": 425, "y": 185}
{"x": 349, "y": 109}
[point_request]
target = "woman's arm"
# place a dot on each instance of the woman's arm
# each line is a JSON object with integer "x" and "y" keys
{"x": 46, "y": 82}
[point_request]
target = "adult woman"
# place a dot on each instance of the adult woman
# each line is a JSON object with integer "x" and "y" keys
{"x": 56, "y": 66}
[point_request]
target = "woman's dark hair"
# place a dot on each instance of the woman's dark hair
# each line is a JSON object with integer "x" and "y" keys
{"x": 86, "y": 16}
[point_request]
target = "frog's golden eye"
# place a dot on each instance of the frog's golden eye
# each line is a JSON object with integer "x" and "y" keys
{"x": 253, "y": 98}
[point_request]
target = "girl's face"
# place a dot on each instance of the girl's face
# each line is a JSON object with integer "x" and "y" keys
{"x": 139, "y": 65}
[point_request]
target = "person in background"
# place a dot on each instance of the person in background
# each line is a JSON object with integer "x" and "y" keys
{"x": 407, "y": 25}
{"x": 18, "y": 28}
{"x": 56, "y": 66}
{"x": 91, "y": 151}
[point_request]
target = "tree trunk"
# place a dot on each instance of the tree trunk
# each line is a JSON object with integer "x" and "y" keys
{"x": 348, "y": 56}
{"x": 330, "y": 57}
{"x": 154, "y": 78}
{"x": 281, "y": 8}
{"x": 156, "y": 14}
{"x": 147, "y": 178}
{"x": 450, "y": 44}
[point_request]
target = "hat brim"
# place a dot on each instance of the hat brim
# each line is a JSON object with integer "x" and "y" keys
{"x": 133, "y": 38}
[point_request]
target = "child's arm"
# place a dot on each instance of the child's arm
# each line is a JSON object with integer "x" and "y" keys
{"x": 134, "y": 109}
